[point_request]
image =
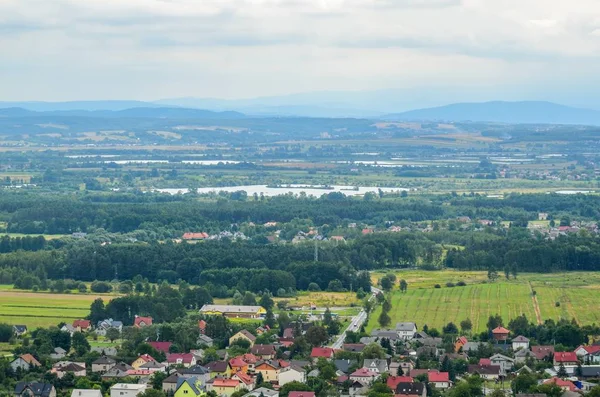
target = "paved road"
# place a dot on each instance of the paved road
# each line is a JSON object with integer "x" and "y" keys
{"x": 356, "y": 322}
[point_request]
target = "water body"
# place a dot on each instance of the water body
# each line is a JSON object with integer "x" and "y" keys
{"x": 316, "y": 191}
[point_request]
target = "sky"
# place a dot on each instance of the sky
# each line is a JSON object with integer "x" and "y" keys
{"x": 436, "y": 50}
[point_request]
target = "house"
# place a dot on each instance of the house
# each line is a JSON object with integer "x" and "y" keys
{"x": 411, "y": 389}
{"x": 406, "y": 331}
{"x": 543, "y": 352}
{"x": 487, "y": 372}
{"x": 343, "y": 365}
{"x": 246, "y": 381}
{"x": 117, "y": 371}
{"x": 218, "y": 368}
{"x": 169, "y": 384}
{"x": 291, "y": 374}
{"x": 301, "y": 394}
{"x": 107, "y": 324}
{"x": 590, "y": 371}
{"x": 244, "y": 335}
{"x": 262, "y": 330}
{"x": 322, "y": 352}
{"x": 471, "y": 347}
{"x": 376, "y": 365}
{"x": 522, "y": 355}
{"x": 565, "y": 358}
{"x": 500, "y": 333}
{"x": 202, "y": 326}
{"x": 460, "y": 342}
{"x": 185, "y": 359}
{"x": 161, "y": 346}
{"x": 233, "y": 311}
{"x": 127, "y": 389}
{"x": 86, "y": 393}
{"x": 393, "y": 381}
{"x": 269, "y": 370}
{"x": 223, "y": 387}
{"x": 25, "y": 362}
{"x": 141, "y": 360}
{"x": 262, "y": 392}
{"x": 153, "y": 366}
{"x": 197, "y": 371}
{"x": 195, "y": 236}
{"x": 204, "y": 340}
{"x": 82, "y": 325}
{"x": 439, "y": 380}
{"x": 68, "y": 328}
{"x": 380, "y": 334}
{"x": 34, "y": 389}
{"x": 353, "y": 347}
{"x": 103, "y": 364}
{"x": 19, "y": 330}
{"x": 105, "y": 351}
{"x": 188, "y": 387}
{"x": 62, "y": 368}
{"x": 563, "y": 384}
{"x": 364, "y": 376}
{"x": 58, "y": 353}
{"x": 141, "y": 322}
{"x": 266, "y": 352}
{"x": 520, "y": 342}
{"x": 505, "y": 363}
{"x": 588, "y": 354}
{"x": 288, "y": 333}
{"x": 453, "y": 356}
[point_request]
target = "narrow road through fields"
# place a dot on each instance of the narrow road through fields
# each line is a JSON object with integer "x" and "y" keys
{"x": 536, "y": 306}
{"x": 356, "y": 322}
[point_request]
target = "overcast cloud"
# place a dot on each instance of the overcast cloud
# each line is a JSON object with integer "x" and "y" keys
{"x": 150, "y": 49}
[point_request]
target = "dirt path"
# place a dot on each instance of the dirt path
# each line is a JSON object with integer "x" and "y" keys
{"x": 536, "y": 307}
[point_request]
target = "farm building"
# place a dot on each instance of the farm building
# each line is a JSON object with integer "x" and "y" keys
{"x": 234, "y": 311}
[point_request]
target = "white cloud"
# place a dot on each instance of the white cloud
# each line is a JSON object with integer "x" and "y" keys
{"x": 157, "y": 48}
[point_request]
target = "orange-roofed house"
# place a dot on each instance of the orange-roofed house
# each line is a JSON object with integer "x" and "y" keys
{"x": 439, "y": 380}
{"x": 301, "y": 394}
{"x": 460, "y": 342}
{"x": 141, "y": 360}
{"x": 224, "y": 387}
{"x": 500, "y": 333}
{"x": 141, "y": 322}
{"x": 364, "y": 376}
{"x": 82, "y": 325}
{"x": 237, "y": 364}
{"x": 202, "y": 326}
{"x": 25, "y": 362}
{"x": 246, "y": 380}
{"x": 394, "y": 381}
{"x": 566, "y": 358}
{"x": 195, "y": 236}
{"x": 563, "y": 384}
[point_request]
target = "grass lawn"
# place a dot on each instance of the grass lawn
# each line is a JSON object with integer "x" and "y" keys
{"x": 46, "y": 236}
{"x": 577, "y": 294}
{"x": 41, "y": 309}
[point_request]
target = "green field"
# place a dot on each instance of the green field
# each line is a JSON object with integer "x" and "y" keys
{"x": 43, "y": 309}
{"x": 577, "y": 292}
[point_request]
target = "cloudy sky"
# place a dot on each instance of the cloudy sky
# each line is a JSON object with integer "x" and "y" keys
{"x": 441, "y": 49}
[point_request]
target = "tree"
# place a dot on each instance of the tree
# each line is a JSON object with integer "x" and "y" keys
{"x": 450, "y": 328}
{"x": 400, "y": 371}
{"x": 507, "y": 272}
{"x": 285, "y": 390}
{"x": 97, "y": 311}
{"x": 384, "y": 319}
{"x": 373, "y": 350}
{"x": 466, "y": 325}
{"x": 380, "y": 389}
{"x": 497, "y": 393}
{"x": 562, "y": 371}
{"x": 579, "y": 370}
{"x": 270, "y": 319}
{"x": 403, "y": 285}
{"x": 249, "y": 299}
{"x": 157, "y": 379}
{"x": 513, "y": 270}
{"x": 327, "y": 318}
{"x": 259, "y": 378}
{"x": 80, "y": 344}
{"x": 266, "y": 301}
{"x": 112, "y": 334}
{"x": 316, "y": 335}
{"x": 523, "y": 382}
{"x": 386, "y": 283}
{"x": 492, "y": 275}
{"x": 386, "y": 306}
{"x": 494, "y": 322}
{"x": 152, "y": 393}
{"x": 6, "y": 332}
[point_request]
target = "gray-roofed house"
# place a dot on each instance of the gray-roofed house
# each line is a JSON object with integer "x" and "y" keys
{"x": 58, "y": 354}
{"x": 169, "y": 384}
{"x": 522, "y": 355}
{"x": 105, "y": 351}
{"x": 520, "y": 342}
{"x": 68, "y": 328}
{"x": 406, "y": 330}
{"x": 377, "y": 365}
{"x": 197, "y": 371}
{"x": 34, "y": 389}
{"x": 107, "y": 324}
{"x": 471, "y": 347}
{"x": 262, "y": 391}
{"x": 505, "y": 363}
{"x": 343, "y": 365}
{"x": 391, "y": 335}
{"x": 117, "y": 371}
{"x": 103, "y": 364}
{"x": 590, "y": 371}
{"x": 411, "y": 389}
{"x": 19, "y": 330}
{"x": 204, "y": 340}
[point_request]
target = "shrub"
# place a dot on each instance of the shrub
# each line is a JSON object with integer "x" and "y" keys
{"x": 101, "y": 286}
{"x": 437, "y": 286}
{"x": 461, "y": 284}
{"x": 449, "y": 284}
{"x": 557, "y": 304}
{"x": 314, "y": 287}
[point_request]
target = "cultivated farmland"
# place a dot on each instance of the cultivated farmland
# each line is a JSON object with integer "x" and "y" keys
{"x": 565, "y": 295}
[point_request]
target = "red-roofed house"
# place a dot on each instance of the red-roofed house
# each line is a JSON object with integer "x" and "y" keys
{"x": 224, "y": 387}
{"x": 246, "y": 380}
{"x": 141, "y": 360}
{"x": 542, "y": 352}
{"x": 589, "y": 354}
{"x": 563, "y": 384}
{"x": 161, "y": 346}
{"x": 393, "y": 381}
{"x": 185, "y": 359}
{"x": 266, "y": 352}
{"x": 195, "y": 236}
{"x": 484, "y": 362}
{"x": 237, "y": 364}
{"x": 364, "y": 376}
{"x": 439, "y": 380}
{"x": 460, "y": 342}
{"x": 322, "y": 352}
{"x": 141, "y": 322}
{"x": 565, "y": 358}
{"x": 82, "y": 325}
{"x": 500, "y": 333}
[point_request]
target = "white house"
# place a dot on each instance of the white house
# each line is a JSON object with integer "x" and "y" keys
{"x": 127, "y": 389}
{"x": 86, "y": 393}
{"x": 520, "y": 342}
{"x": 376, "y": 365}
{"x": 291, "y": 374}
{"x": 25, "y": 362}
{"x": 406, "y": 331}
{"x": 505, "y": 363}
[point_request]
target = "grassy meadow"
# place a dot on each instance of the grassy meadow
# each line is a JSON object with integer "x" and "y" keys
{"x": 577, "y": 294}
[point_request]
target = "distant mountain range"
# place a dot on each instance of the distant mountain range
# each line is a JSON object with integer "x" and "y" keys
{"x": 534, "y": 112}
{"x": 503, "y": 112}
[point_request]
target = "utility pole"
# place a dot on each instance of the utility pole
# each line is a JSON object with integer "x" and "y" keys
{"x": 316, "y": 250}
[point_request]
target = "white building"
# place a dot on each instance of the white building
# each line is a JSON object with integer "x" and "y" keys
{"x": 291, "y": 374}
{"x": 406, "y": 331}
{"x": 520, "y": 342}
{"x": 86, "y": 393}
{"x": 127, "y": 390}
